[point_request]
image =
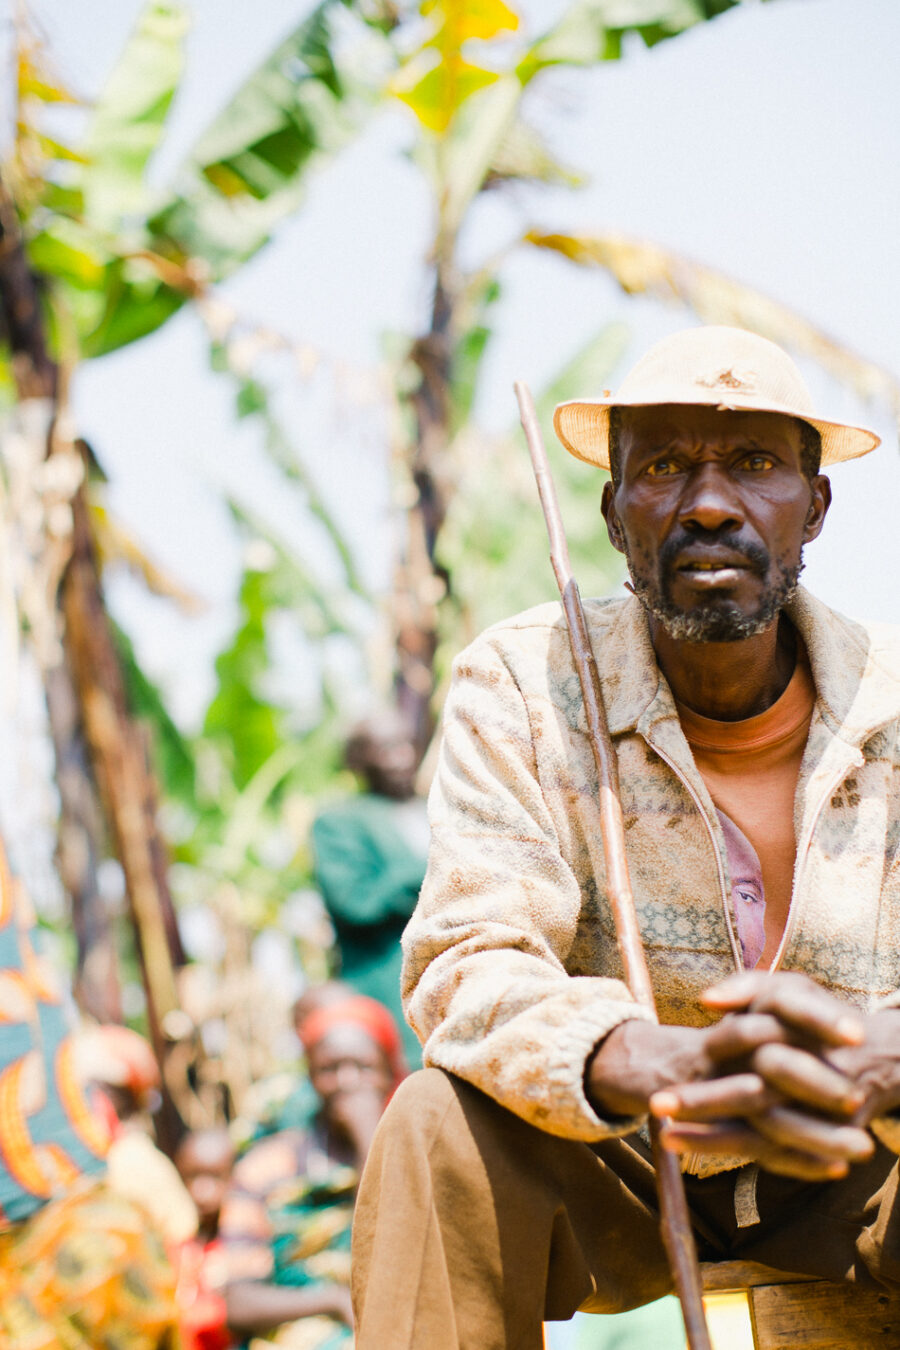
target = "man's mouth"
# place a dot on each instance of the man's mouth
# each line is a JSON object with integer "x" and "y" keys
{"x": 725, "y": 570}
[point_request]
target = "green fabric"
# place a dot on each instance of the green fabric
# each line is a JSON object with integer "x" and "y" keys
{"x": 370, "y": 879}
{"x": 314, "y": 1215}
{"x": 656, "y": 1326}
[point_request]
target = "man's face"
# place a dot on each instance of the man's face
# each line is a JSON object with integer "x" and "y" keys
{"x": 712, "y": 513}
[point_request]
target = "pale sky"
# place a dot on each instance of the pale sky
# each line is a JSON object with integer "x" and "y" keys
{"x": 764, "y": 144}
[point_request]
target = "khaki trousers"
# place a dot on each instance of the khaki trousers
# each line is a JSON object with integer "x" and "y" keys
{"x": 472, "y": 1227}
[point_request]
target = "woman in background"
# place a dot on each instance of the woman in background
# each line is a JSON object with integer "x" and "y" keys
{"x": 286, "y": 1220}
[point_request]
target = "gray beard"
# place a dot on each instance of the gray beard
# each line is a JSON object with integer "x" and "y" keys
{"x": 722, "y": 621}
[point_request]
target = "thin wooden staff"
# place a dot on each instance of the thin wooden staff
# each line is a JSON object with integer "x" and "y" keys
{"x": 675, "y": 1221}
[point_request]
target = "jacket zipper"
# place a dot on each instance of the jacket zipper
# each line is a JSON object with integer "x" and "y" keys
{"x": 802, "y": 854}
{"x": 735, "y": 951}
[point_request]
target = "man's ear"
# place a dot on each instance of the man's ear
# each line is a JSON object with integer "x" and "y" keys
{"x": 613, "y": 524}
{"x": 818, "y": 507}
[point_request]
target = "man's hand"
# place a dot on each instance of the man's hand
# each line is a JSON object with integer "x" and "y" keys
{"x": 874, "y": 1066}
{"x": 786, "y": 1079}
{"x": 638, "y": 1058}
{"x": 775, "y": 1093}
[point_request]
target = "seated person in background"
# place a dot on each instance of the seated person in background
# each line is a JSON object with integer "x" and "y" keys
{"x": 204, "y": 1159}
{"x": 370, "y": 851}
{"x": 286, "y": 1219}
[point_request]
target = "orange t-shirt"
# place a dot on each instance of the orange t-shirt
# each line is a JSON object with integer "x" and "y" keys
{"x": 751, "y": 769}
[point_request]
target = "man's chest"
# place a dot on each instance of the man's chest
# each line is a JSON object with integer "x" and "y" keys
{"x": 840, "y": 921}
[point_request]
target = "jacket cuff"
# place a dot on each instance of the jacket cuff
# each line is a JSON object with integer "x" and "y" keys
{"x": 572, "y": 1115}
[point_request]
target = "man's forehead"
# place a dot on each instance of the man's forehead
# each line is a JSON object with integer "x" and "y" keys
{"x": 665, "y": 421}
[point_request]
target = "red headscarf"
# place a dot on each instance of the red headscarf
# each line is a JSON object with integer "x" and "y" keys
{"x": 357, "y": 1011}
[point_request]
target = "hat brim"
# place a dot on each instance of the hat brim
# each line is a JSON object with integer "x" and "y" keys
{"x": 583, "y": 427}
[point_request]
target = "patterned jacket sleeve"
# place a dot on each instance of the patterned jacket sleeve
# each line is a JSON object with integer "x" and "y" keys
{"x": 485, "y": 984}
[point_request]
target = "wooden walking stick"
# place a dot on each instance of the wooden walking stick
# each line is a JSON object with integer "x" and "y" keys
{"x": 674, "y": 1218}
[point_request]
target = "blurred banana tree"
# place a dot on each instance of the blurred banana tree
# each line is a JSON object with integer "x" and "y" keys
{"x": 641, "y": 268}
{"x": 468, "y": 84}
{"x": 93, "y": 257}
{"x": 473, "y": 540}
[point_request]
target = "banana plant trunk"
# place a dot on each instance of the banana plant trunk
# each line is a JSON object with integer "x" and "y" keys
{"x": 96, "y": 741}
{"x": 421, "y": 582}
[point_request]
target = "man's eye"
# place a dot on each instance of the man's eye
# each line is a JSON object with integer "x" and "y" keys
{"x": 757, "y": 463}
{"x": 661, "y": 468}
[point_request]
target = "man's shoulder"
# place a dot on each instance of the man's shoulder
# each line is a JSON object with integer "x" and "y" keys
{"x": 884, "y": 641}
{"x": 856, "y": 666}
{"x": 533, "y": 629}
{"x": 881, "y": 675}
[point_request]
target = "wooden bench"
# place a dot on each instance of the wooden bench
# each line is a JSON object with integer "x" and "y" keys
{"x": 793, "y": 1312}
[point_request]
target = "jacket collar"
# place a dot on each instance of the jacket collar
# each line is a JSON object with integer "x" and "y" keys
{"x": 856, "y": 669}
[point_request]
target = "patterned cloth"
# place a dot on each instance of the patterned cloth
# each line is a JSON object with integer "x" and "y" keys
{"x": 79, "y": 1265}
{"x": 48, "y": 1135}
{"x": 511, "y": 971}
{"x": 287, "y": 1220}
{"x": 86, "y": 1271}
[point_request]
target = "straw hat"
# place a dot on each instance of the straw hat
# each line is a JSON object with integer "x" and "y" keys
{"x": 726, "y": 368}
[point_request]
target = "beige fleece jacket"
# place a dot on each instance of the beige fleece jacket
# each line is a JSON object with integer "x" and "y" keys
{"x": 511, "y": 972}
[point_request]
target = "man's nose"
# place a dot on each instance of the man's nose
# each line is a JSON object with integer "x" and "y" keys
{"x": 710, "y": 500}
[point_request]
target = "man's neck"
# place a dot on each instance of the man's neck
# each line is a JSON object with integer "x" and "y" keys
{"x": 728, "y": 681}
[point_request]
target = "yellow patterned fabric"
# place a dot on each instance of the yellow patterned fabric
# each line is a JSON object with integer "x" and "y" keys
{"x": 48, "y": 1135}
{"x": 511, "y": 970}
{"x": 86, "y": 1271}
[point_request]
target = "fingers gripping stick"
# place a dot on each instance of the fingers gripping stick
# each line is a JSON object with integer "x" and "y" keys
{"x": 675, "y": 1220}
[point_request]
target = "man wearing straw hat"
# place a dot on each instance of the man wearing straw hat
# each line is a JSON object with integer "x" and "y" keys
{"x": 757, "y": 735}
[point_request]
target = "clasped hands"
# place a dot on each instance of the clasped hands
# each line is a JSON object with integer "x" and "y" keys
{"x": 789, "y": 1078}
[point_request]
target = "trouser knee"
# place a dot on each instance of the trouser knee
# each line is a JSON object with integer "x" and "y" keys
{"x": 417, "y": 1098}
{"x": 417, "y": 1113}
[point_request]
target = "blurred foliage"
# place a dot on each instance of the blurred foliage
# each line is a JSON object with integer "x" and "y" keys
{"x": 475, "y": 543}
{"x": 123, "y": 257}
{"x": 118, "y": 256}
{"x": 642, "y": 268}
{"x": 116, "y": 259}
{"x": 254, "y": 399}
{"x": 495, "y": 543}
